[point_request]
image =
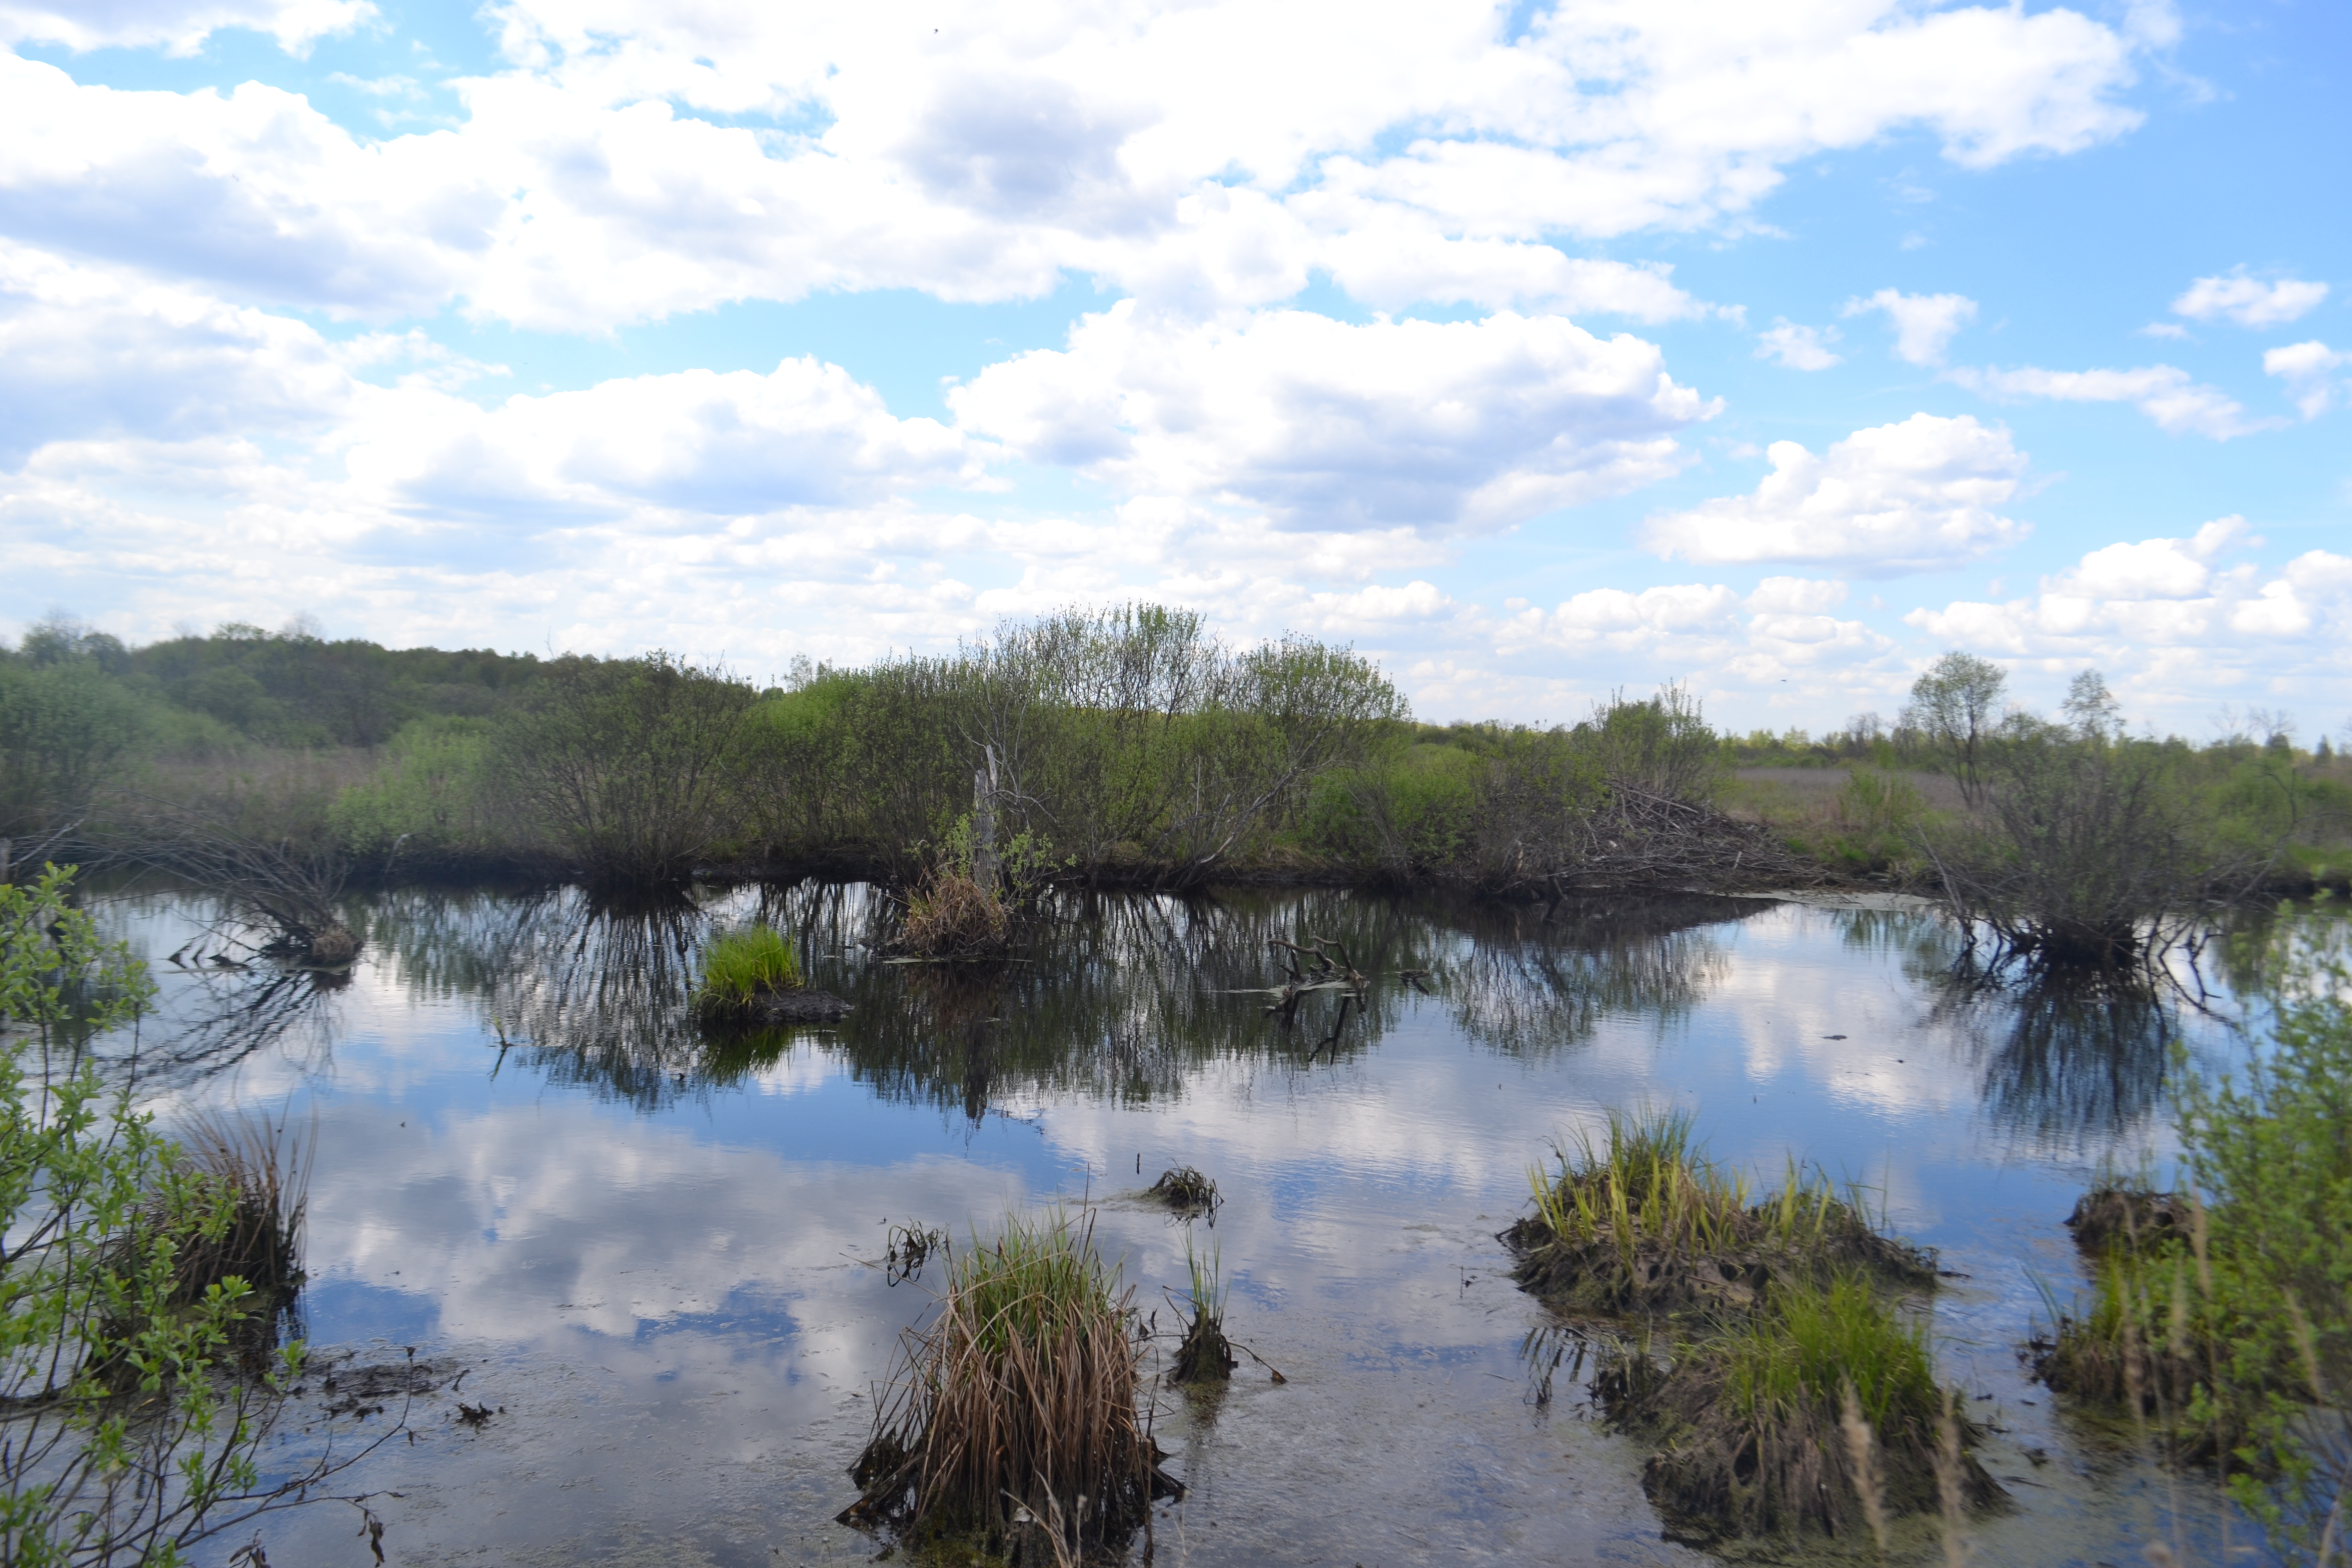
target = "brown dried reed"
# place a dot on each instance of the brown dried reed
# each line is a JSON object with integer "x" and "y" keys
{"x": 1012, "y": 1423}
{"x": 951, "y": 916}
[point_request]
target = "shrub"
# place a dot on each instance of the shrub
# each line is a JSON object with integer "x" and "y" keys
{"x": 626, "y": 764}
{"x": 425, "y": 803}
{"x": 122, "y": 1312}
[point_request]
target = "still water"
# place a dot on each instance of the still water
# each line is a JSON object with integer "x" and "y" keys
{"x": 657, "y": 1259}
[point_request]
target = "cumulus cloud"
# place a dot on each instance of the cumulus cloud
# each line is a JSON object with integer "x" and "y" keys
{"x": 2166, "y": 394}
{"x": 1472, "y": 424}
{"x": 1799, "y": 348}
{"x": 1175, "y": 150}
{"x": 738, "y": 444}
{"x": 91, "y": 353}
{"x": 252, "y": 191}
{"x": 2308, "y": 371}
{"x": 1925, "y": 324}
{"x": 2249, "y": 301}
{"x": 1780, "y": 633}
{"x": 1894, "y": 498}
{"x": 2175, "y": 624}
{"x": 181, "y": 26}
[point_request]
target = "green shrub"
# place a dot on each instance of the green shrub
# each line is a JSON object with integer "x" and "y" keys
{"x": 426, "y": 801}
{"x": 66, "y": 730}
{"x": 125, "y": 1435}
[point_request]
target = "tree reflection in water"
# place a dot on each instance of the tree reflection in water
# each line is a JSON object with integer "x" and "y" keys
{"x": 1116, "y": 997}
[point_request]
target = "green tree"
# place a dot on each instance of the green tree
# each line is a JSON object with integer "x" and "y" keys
{"x": 1955, "y": 708}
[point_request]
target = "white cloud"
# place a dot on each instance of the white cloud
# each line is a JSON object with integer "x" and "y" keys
{"x": 88, "y": 352}
{"x": 738, "y": 444}
{"x": 1925, "y": 324}
{"x": 1894, "y": 498}
{"x": 1475, "y": 425}
{"x": 2306, "y": 369}
{"x": 253, "y": 190}
{"x": 2166, "y": 394}
{"x": 2174, "y": 628}
{"x": 1178, "y": 150}
{"x": 2162, "y": 330}
{"x": 1799, "y": 348}
{"x": 180, "y": 25}
{"x": 2249, "y": 301}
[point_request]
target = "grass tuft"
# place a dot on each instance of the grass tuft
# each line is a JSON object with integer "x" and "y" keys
{"x": 1014, "y": 1412}
{"x": 951, "y": 916}
{"x": 1205, "y": 1355}
{"x": 230, "y": 1212}
{"x": 1646, "y": 1224}
{"x": 740, "y": 968}
{"x": 1819, "y": 1411}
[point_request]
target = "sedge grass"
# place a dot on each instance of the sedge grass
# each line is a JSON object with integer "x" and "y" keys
{"x": 1821, "y": 1412}
{"x": 2144, "y": 1347}
{"x": 230, "y": 1210}
{"x": 1016, "y": 1409}
{"x": 1205, "y": 1355}
{"x": 739, "y": 967}
{"x": 1644, "y": 1223}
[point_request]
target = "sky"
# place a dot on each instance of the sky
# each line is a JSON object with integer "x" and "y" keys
{"x": 1537, "y": 351}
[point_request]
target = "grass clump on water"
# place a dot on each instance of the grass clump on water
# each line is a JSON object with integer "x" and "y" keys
{"x": 1205, "y": 1355}
{"x": 1646, "y": 1224}
{"x": 1820, "y": 1412}
{"x": 741, "y": 967}
{"x": 1013, "y": 1426}
{"x": 1185, "y": 1190}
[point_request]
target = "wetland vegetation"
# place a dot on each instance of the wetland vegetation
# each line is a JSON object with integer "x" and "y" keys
{"x": 1060, "y": 827}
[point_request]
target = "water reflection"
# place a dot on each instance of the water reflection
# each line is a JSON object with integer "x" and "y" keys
{"x": 2062, "y": 1058}
{"x": 1118, "y": 998}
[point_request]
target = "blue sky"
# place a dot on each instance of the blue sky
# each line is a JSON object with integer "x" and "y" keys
{"x": 1538, "y": 351}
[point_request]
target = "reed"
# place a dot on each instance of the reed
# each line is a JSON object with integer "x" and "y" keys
{"x": 741, "y": 967}
{"x": 1205, "y": 1355}
{"x": 1646, "y": 1223}
{"x": 1821, "y": 1412}
{"x": 1015, "y": 1411}
{"x": 950, "y": 915}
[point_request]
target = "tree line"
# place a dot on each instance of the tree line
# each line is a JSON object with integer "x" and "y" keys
{"x": 1116, "y": 747}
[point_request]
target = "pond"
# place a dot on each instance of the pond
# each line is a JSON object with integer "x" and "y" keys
{"x": 658, "y": 1261}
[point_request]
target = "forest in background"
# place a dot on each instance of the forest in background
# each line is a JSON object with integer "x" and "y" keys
{"x": 1121, "y": 747}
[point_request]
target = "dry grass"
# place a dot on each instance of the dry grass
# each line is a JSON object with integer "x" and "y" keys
{"x": 1013, "y": 1422}
{"x": 1647, "y": 1225}
{"x": 950, "y": 915}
